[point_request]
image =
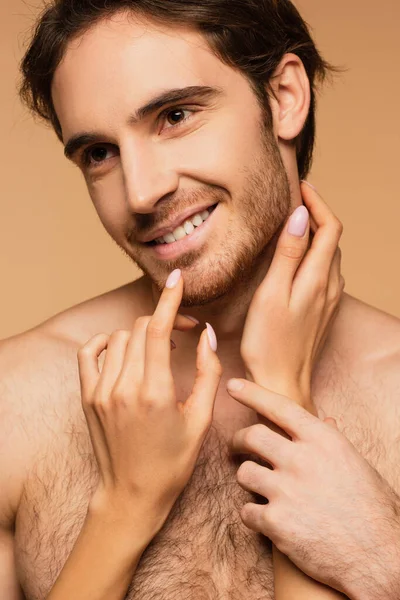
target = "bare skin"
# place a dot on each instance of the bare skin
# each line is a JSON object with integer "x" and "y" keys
{"x": 50, "y": 472}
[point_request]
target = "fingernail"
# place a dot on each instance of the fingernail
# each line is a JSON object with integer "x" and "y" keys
{"x": 173, "y": 345}
{"x": 235, "y": 385}
{"x": 298, "y": 222}
{"x": 192, "y": 319}
{"x": 310, "y": 185}
{"x": 173, "y": 279}
{"x": 212, "y": 338}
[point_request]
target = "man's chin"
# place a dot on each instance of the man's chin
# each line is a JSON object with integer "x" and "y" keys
{"x": 201, "y": 288}
{"x": 201, "y": 297}
{"x": 212, "y": 280}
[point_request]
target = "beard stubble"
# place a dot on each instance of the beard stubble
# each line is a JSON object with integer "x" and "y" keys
{"x": 259, "y": 213}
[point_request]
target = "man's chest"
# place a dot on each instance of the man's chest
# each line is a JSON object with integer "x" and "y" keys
{"x": 203, "y": 550}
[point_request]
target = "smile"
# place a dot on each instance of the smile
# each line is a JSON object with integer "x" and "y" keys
{"x": 187, "y": 236}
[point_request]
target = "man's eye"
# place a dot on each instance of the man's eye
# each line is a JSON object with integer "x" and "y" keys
{"x": 173, "y": 116}
{"x": 96, "y": 155}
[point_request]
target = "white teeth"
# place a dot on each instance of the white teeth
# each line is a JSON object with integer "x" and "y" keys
{"x": 185, "y": 229}
{"x": 188, "y": 227}
{"x": 179, "y": 233}
{"x": 197, "y": 220}
{"x": 169, "y": 238}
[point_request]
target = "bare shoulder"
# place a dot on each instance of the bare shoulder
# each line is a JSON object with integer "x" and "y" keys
{"x": 39, "y": 382}
{"x": 31, "y": 366}
{"x": 116, "y": 309}
{"x": 369, "y": 341}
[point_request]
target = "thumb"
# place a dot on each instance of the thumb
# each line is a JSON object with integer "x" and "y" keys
{"x": 200, "y": 404}
{"x": 332, "y": 422}
{"x": 290, "y": 249}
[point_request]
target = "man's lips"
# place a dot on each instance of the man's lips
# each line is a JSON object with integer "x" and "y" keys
{"x": 173, "y": 224}
{"x": 192, "y": 242}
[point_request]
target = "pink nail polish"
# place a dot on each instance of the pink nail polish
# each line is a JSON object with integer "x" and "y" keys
{"x": 173, "y": 279}
{"x": 192, "y": 319}
{"x": 212, "y": 338}
{"x": 298, "y": 222}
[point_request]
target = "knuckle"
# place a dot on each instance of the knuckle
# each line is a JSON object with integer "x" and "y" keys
{"x": 244, "y": 513}
{"x": 298, "y": 460}
{"x": 156, "y": 330}
{"x": 294, "y": 252}
{"x": 336, "y": 292}
{"x": 252, "y": 435}
{"x": 272, "y": 518}
{"x": 87, "y": 400}
{"x": 248, "y": 438}
{"x": 259, "y": 431}
{"x": 142, "y": 322}
{"x": 149, "y": 395}
{"x": 119, "y": 396}
{"x": 249, "y": 355}
{"x": 84, "y": 351}
{"x": 244, "y": 472}
{"x": 339, "y": 227}
{"x": 320, "y": 287}
{"x": 335, "y": 226}
{"x": 101, "y": 403}
{"x": 333, "y": 296}
{"x": 87, "y": 348}
{"x": 268, "y": 517}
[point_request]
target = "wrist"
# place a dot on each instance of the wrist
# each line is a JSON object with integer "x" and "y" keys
{"x": 284, "y": 386}
{"x": 378, "y": 578}
{"x": 124, "y": 519}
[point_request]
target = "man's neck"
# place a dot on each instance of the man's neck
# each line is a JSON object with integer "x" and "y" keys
{"x": 227, "y": 316}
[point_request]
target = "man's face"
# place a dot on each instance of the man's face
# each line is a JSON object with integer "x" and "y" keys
{"x": 154, "y": 173}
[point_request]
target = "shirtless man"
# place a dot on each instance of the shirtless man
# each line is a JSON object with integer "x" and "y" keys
{"x": 143, "y": 173}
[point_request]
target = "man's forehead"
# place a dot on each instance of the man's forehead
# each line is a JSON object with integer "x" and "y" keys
{"x": 120, "y": 59}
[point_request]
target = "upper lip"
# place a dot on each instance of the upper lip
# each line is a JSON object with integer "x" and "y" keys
{"x": 171, "y": 225}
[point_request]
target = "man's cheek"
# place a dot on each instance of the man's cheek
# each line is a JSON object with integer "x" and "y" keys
{"x": 108, "y": 198}
{"x": 214, "y": 157}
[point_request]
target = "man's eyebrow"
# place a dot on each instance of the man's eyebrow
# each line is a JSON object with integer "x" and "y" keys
{"x": 167, "y": 97}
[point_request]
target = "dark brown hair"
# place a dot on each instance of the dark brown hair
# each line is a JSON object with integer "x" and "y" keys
{"x": 249, "y": 35}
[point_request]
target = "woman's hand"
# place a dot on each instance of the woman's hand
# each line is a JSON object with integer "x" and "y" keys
{"x": 286, "y": 328}
{"x": 145, "y": 442}
{"x": 292, "y": 310}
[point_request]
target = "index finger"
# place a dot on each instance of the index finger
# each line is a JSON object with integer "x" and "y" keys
{"x": 158, "y": 347}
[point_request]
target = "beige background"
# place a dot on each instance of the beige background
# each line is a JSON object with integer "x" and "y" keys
{"x": 54, "y": 251}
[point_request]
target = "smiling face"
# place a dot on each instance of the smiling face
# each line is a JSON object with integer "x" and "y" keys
{"x": 146, "y": 173}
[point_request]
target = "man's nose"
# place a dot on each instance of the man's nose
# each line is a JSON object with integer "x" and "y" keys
{"x": 148, "y": 178}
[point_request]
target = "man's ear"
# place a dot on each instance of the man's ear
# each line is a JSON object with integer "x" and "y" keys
{"x": 291, "y": 104}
